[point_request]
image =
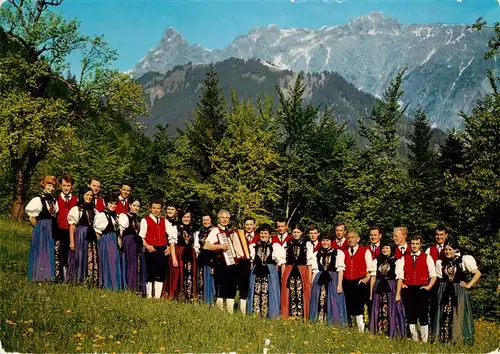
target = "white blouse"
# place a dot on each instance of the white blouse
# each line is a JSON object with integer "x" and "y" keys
{"x": 196, "y": 242}
{"x": 339, "y": 263}
{"x": 34, "y": 207}
{"x": 123, "y": 221}
{"x": 468, "y": 264}
{"x": 100, "y": 222}
{"x": 75, "y": 214}
{"x": 278, "y": 253}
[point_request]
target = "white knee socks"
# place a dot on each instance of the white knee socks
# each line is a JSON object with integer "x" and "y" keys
{"x": 243, "y": 306}
{"x": 424, "y": 332}
{"x": 219, "y": 302}
{"x": 230, "y": 305}
{"x": 360, "y": 321}
{"x": 158, "y": 289}
{"x": 413, "y": 331}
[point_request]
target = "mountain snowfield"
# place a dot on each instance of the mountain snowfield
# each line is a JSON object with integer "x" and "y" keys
{"x": 445, "y": 68}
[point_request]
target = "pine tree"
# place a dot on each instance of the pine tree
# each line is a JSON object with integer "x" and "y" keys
{"x": 425, "y": 177}
{"x": 451, "y": 154}
{"x": 377, "y": 183}
{"x": 296, "y": 123}
{"x": 208, "y": 126}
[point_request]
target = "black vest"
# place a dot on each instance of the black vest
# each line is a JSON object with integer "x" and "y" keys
{"x": 296, "y": 252}
{"x": 452, "y": 271}
{"x": 264, "y": 253}
{"x": 386, "y": 268}
{"x": 47, "y": 212}
{"x": 327, "y": 260}
{"x": 111, "y": 227}
{"x": 134, "y": 225}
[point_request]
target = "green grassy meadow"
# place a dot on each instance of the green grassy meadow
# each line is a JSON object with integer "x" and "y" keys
{"x": 67, "y": 318}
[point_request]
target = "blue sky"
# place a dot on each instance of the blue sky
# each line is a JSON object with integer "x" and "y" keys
{"x": 134, "y": 26}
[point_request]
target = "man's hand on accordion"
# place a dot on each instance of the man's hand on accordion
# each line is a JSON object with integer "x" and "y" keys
{"x": 224, "y": 247}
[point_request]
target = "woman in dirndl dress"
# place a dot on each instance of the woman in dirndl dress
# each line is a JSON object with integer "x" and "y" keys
{"x": 42, "y": 211}
{"x": 132, "y": 251}
{"x": 453, "y": 320}
{"x": 297, "y": 275}
{"x": 83, "y": 263}
{"x": 264, "y": 287}
{"x": 205, "y": 277}
{"x": 388, "y": 315}
{"x": 183, "y": 267}
{"x": 327, "y": 297}
{"x": 108, "y": 243}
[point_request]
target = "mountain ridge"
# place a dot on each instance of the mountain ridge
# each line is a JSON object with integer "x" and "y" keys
{"x": 445, "y": 69}
{"x": 172, "y": 97}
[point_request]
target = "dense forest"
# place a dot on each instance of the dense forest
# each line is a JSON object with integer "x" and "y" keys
{"x": 260, "y": 156}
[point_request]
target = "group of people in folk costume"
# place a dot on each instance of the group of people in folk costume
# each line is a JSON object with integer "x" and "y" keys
{"x": 104, "y": 243}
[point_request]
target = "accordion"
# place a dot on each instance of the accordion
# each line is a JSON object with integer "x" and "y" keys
{"x": 238, "y": 246}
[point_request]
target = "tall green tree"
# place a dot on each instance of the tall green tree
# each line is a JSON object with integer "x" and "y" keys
{"x": 453, "y": 166}
{"x": 40, "y": 108}
{"x": 478, "y": 200}
{"x": 425, "y": 177}
{"x": 208, "y": 127}
{"x": 245, "y": 181}
{"x": 296, "y": 124}
{"x": 378, "y": 183}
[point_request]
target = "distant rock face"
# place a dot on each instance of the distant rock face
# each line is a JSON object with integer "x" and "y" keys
{"x": 172, "y": 97}
{"x": 445, "y": 69}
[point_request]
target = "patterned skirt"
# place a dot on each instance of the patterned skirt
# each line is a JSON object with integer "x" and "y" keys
{"x": 83, "y": 265}
{"x": 182, "y": 279}
{"x": 133, "y": 265}
{"x": 264, "y": 294}
{"x": 41, "y": 261}
{"x": 327, "y": 306}
{"x": 295, "y": 292}
{"x": 110, "y": 274}
{"x": 387, "y": 316}
{"x": 454, "y": 321}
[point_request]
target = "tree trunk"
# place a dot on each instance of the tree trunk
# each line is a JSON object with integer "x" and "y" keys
{"x": 17, "y": 209}
{"x": 23, "y": 170}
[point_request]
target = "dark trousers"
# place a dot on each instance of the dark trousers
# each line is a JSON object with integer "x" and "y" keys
{"x": 356, "y": 296}
{"x": 156, "y": 264}
{"x": 243, "y": 278}
{"x": 416, "y": 303}
{"x": 63, "y": 238}
{"x": 225, "y": 280}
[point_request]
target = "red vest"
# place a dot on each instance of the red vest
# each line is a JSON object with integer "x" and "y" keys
{"x": 276, "y": 239}
{"x": 100, "y": 205}
{"x": 355, "y": 266}
{"x": 156, "y": 233}
{"x": 433, "y": 252}
{"x": 418, "y": 275}
{"x": 64, "y": 207}
{"x": 317, "y": 247}
{"x": 398, "y": 254}
{"x": 344, "y": 246}
{"x": 120, "y": 208}
{"x": 376, "y": 253}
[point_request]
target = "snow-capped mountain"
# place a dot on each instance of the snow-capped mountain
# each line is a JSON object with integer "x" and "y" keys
{"x": 445, "y": 64}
